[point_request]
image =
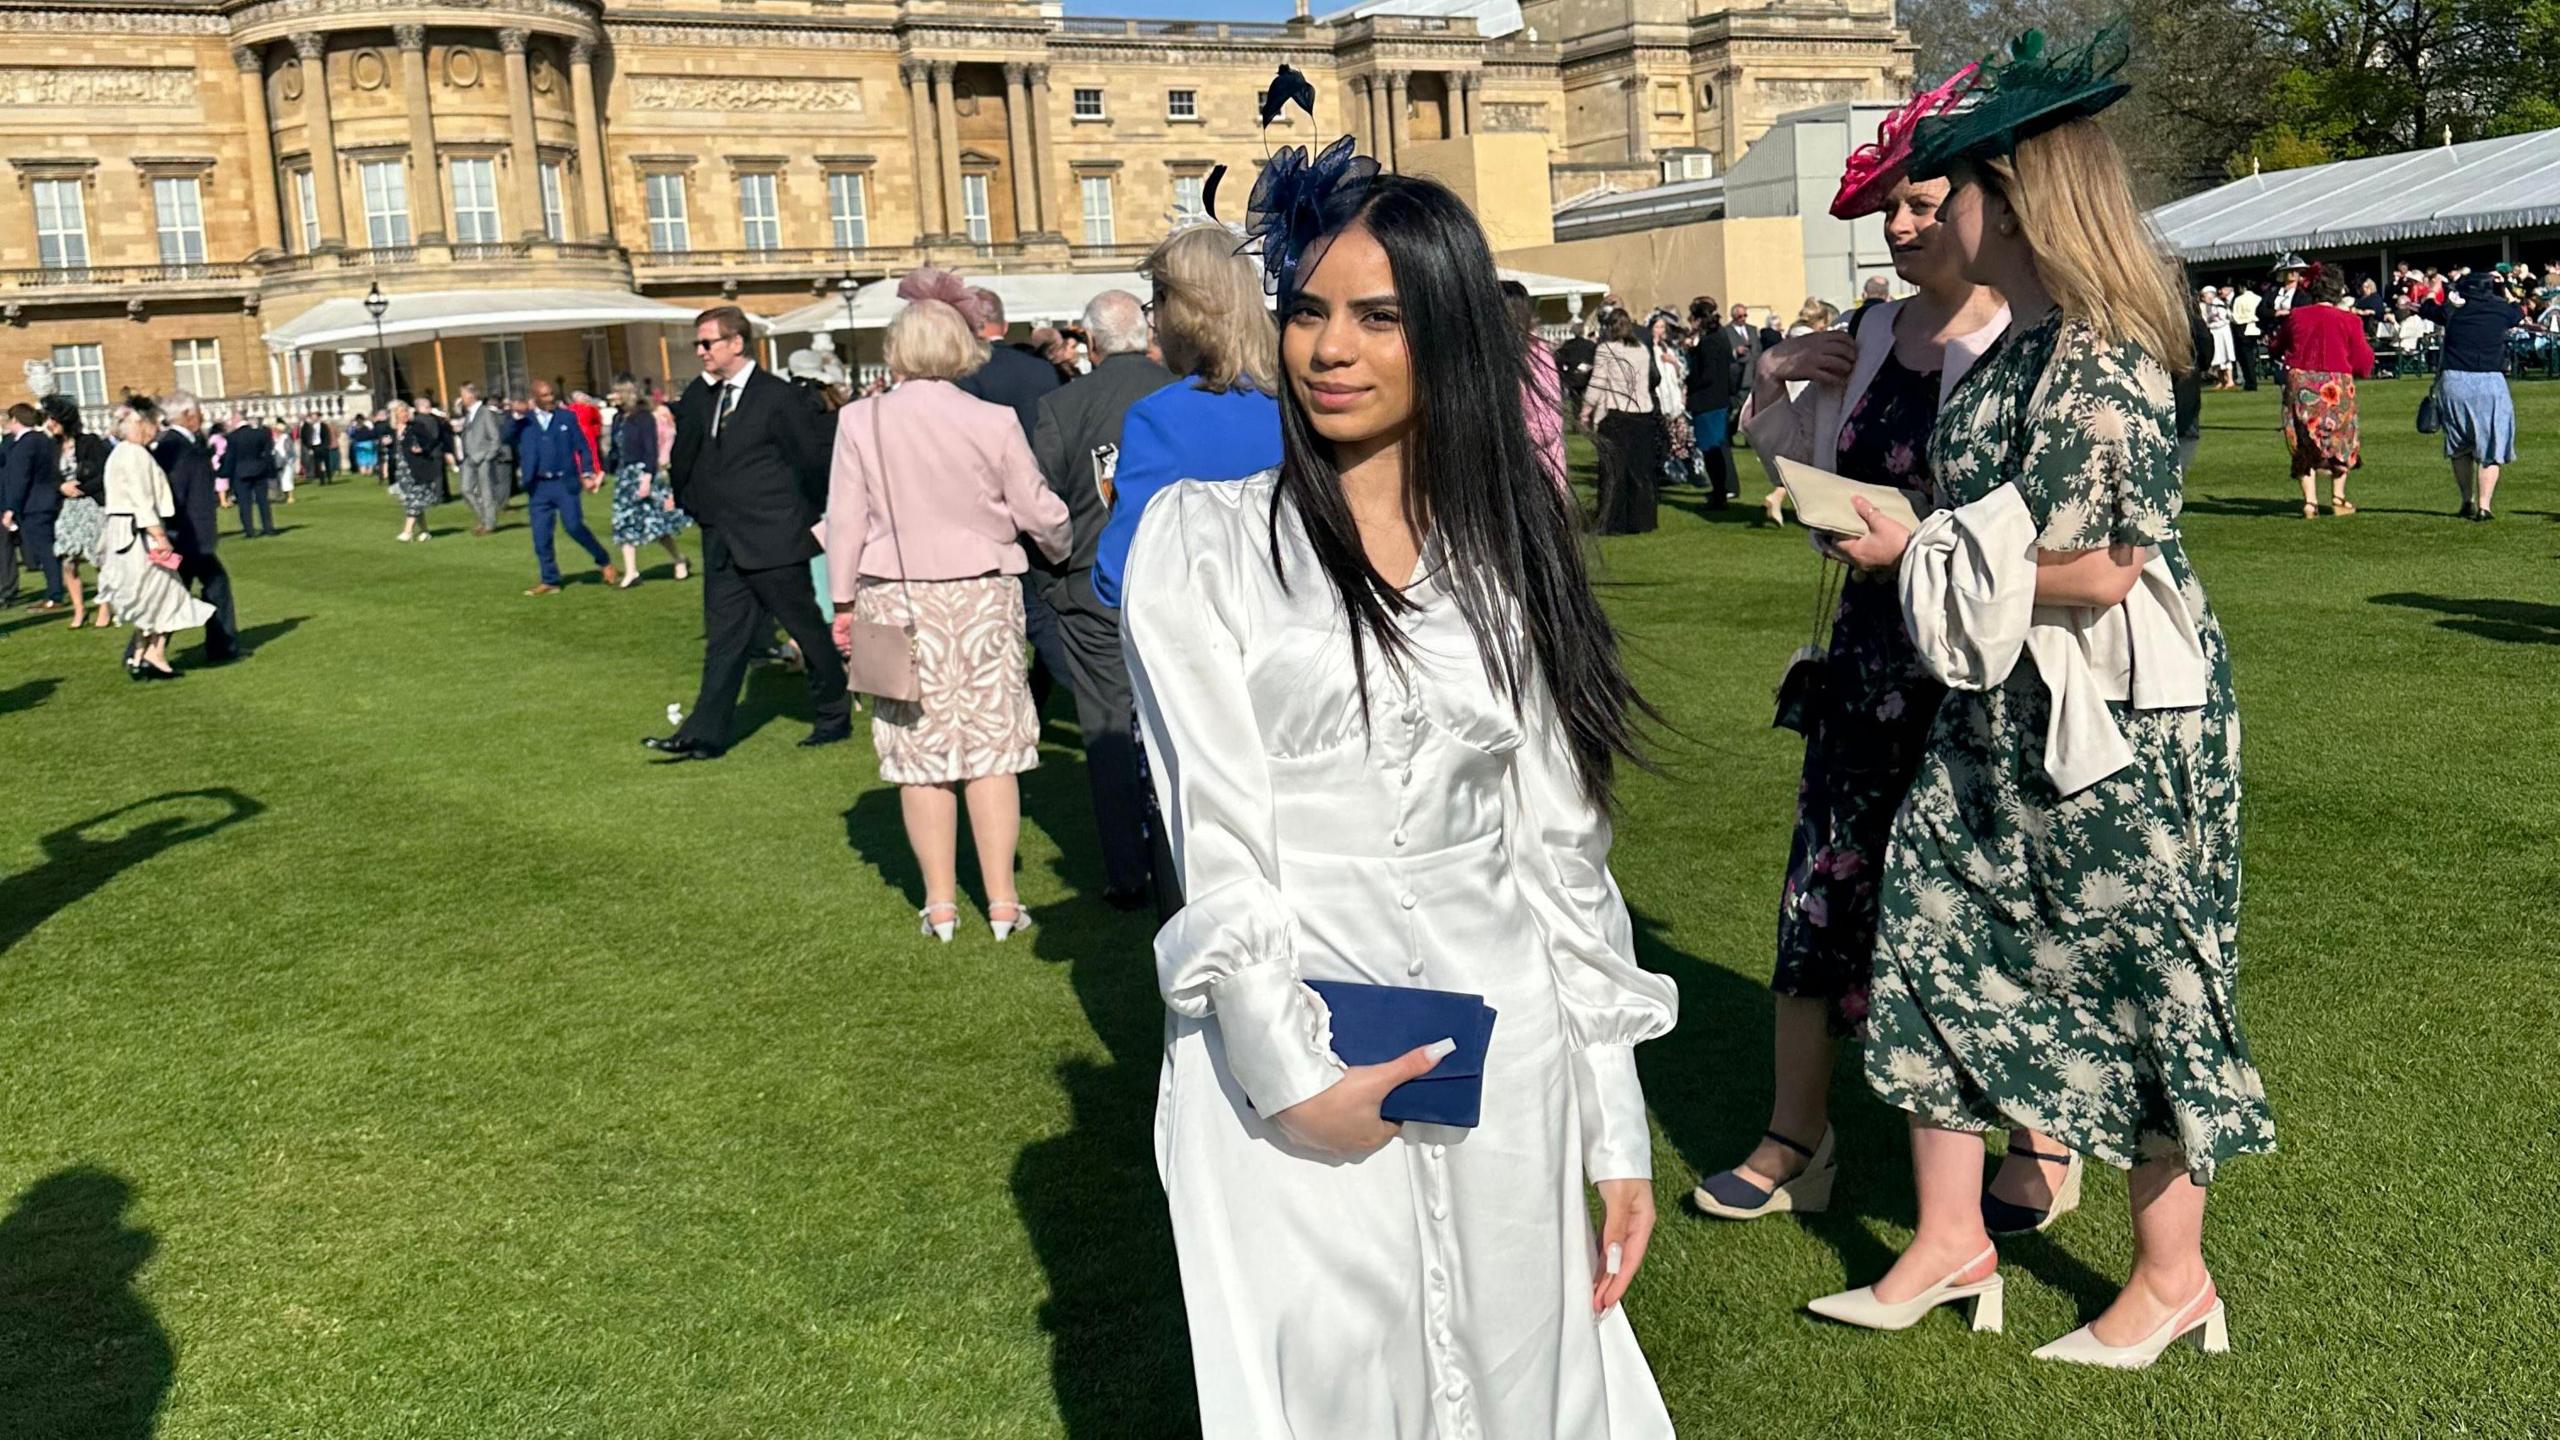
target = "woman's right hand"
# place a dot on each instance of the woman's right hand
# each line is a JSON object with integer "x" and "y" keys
{"x": 844, "y": 634}
{"x": 1342, "y": 1120}
{"x": 1825, "y": 355}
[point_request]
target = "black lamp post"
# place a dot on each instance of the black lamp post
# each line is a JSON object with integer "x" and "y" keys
{"x": 846, "y": 288}
{"x": 375, "y": 303}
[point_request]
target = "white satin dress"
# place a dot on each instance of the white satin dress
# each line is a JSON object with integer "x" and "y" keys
{"x": 1438, "y": 1288}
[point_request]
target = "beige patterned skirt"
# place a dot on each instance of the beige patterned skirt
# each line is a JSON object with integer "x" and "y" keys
{"x": 976, "y": 718}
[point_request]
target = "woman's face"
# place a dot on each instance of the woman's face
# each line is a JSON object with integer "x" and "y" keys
{"x": 1342, "y": 342}
{"x": 141, "y": 429}
{"x": 1921, "y": 255}
{"x": 1972, "y": 219}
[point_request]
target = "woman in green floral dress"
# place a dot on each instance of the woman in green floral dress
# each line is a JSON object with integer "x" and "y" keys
{"x": 2065, "y": 961}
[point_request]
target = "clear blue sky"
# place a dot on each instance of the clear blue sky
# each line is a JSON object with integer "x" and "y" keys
{"x": 1198, "y": 9}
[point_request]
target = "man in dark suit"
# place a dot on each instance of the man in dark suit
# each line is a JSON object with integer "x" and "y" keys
{"x": 1078, "y": 443}
{"x": 31, "y": 494}
{"x": 555, "y": 464}
{"x": 1017, "y": 379}
{"x": 249, "y": 462}
{"x": 319, "y": 456}
{"x": 751, "y": 461}
{"x": 187, "y": 458}
{"x": 16, "y": 463}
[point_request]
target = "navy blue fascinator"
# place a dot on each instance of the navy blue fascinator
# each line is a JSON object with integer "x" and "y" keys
{"x": 1296, "y": 200}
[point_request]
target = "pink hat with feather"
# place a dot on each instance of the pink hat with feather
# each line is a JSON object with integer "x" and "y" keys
{"x": 1873, "y": 168}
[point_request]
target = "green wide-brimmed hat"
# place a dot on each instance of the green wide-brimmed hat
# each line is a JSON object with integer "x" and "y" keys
{"x": 2024, "y": 95}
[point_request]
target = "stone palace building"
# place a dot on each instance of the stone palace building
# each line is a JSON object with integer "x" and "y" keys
{"x": 206, "y": 191}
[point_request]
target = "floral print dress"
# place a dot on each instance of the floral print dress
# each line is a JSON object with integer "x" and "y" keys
{"x": 2070, "y": 964}
{"x": 1866, "y": 724}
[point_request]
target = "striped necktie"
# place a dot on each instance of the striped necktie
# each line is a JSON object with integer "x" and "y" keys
{"x": 720, "y": 414}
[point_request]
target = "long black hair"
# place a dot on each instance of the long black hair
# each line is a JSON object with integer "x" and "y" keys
{"x": 1507, "y": 541}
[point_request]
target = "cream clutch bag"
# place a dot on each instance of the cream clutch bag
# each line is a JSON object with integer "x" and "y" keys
{"x": 1822, "y": 499}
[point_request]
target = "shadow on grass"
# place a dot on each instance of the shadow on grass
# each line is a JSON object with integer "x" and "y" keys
{"x": 2281, "y": 507}
{"x": 77, "y": 861}
{"x": 1089, "y": 1197}
{"x": 81, "y": 1354}
{"x": 256, "y": 635}
{"x": 28, "y": 694}
{"x": 2517, "y": 622}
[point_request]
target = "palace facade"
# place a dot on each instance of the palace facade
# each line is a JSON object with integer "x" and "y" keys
{"x": 203, "y": 193}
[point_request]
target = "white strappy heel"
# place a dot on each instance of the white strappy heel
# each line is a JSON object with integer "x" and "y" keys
{"x": 2209, "y": 1330}
{"x": 1861, "y": 1307}
{"x": 1018, "y": 921}
{"x": 939, "y": 929}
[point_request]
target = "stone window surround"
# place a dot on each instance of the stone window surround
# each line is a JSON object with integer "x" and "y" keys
{"x": 1102, "y": 100}
{"x": 1196, "y": 117}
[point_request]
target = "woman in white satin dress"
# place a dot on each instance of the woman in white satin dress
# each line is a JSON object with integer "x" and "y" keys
{"x": 1360, "y": 790}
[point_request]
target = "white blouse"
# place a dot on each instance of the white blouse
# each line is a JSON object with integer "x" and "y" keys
{"x": 1446, "y": 843}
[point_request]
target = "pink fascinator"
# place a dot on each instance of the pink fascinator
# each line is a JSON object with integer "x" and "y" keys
{"x": 1873, "y": 168}
{"x": 929, "y": 282}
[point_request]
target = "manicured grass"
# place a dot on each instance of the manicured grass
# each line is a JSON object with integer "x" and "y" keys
{"x": 389, "y": 1048}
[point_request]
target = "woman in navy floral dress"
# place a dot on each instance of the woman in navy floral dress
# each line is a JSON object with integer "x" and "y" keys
{"x": 1864, "y": 706}
{"x": 644, "y": 507}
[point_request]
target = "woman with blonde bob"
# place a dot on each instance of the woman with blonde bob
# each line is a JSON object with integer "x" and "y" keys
{"x": 1221, "y": 421}
{"x": 2057, "y": 945}
{"x": 929, "y": 491}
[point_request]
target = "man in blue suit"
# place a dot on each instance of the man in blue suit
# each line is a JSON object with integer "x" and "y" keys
{"x": 556, "y": 464}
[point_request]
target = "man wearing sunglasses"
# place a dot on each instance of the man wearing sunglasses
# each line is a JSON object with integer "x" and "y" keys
{"x": 750, "y": 466}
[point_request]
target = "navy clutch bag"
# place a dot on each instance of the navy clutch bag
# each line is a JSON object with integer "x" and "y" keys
{"x": 1373, "y": 1024}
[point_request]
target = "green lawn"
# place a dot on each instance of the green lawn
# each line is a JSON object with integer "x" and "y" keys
{"x": 389, "y": 1048}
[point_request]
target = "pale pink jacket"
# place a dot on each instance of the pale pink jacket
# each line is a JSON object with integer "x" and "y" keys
{"x": 961, "y": 479}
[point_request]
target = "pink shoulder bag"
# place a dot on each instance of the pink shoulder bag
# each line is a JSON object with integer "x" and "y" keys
{"x": 883, "y": 658}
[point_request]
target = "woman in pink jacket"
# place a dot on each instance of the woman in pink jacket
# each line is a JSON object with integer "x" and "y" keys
{"x": 931, "y": 489}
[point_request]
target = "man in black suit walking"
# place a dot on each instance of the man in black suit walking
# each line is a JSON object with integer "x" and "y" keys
{"x": 319, "y": 455}
{"x": 249, "y": 462}
{"x": 31, "y": 494}
{"x": 1078, "y": 446}
{"x": 187, "y": 458}
{"x": 750, "y": 466}
{"x": 17, "y": 463}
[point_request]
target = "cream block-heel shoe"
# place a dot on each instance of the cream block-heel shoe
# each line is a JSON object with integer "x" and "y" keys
{"x": 2209, "y": 1331}
{"x": 1861, "y": 1307}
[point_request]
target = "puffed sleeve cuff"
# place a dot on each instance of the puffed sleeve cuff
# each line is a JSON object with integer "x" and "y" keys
{"x": 1278, "y": 1036}
{"x": 1617, "y": 1144}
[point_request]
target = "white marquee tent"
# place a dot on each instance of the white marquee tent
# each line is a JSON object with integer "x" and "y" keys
{"x": 2486, "y": 189}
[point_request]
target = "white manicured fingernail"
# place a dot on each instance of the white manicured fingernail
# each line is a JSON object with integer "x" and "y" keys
{"x": 1617, "y": 1257}
{"x": 1440, "y": 1050}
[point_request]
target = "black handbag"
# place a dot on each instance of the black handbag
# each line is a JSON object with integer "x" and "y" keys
{"x": 2431, "y": 409}
{"x": 1800, "y": 690}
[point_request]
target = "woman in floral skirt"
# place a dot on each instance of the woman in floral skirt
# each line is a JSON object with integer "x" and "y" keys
{"x": 2057, "y": 945}
{"x": 2322, "y": 351}
{"x": 644, "y": 508}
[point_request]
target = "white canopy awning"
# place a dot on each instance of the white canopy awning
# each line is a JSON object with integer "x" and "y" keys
{"x": 2480, "y": 187}
{"x": 424, "y": 315}
{"x": 1047, "y": 297}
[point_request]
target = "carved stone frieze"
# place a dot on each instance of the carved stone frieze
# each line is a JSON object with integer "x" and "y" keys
{"x": 115, "y": 22}
{"x": 95, "y": 85}
{"x": 1791, "y": 91}
{"x": 754, "y": 93}
{"x": 302, "y": 12}
{"x": 628, "y": 35}
{"x": 1512, "y": 115}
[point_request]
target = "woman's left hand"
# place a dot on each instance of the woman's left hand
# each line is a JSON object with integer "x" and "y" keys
{"x": 1626, "y": 1227}
{"x": 1880, "y": 548}
{"x": 644, "y": 488}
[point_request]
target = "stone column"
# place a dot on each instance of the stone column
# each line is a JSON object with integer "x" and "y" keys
{"x": 591, "y": 161}
{"x": 322, "y": 135}
{"x": 1729, "y": 93}
{"x": 1466, "y": 101}
{"x": 946, "y": 125}
{"x": 262, "y": 147}
{"x": 1398, "y": 127}
{"x": 1639, "y": 146}
{"x": 1017, "y": 115}
{"x": 1043, "y": 163}
{"x": 928, "y": 167}
{"x": 527, "y": 162}
{"x": 426, "y": 178}
{"x": 1374, "y": 88}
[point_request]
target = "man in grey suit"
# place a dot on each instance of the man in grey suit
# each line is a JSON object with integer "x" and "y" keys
{"x": 1077, "y": 441}
{"x": 483, "y": 434}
